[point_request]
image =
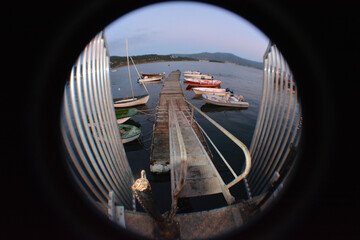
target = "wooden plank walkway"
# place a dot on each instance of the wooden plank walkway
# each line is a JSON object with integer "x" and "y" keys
{"x": 202, "y": 178}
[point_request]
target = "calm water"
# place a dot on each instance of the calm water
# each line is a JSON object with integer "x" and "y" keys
{"x": 241, "y": 123}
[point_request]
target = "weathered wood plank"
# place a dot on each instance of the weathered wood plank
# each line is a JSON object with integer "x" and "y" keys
{"x": 202, "y": 177}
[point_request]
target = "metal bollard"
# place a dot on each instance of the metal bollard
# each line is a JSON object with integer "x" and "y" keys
{"x": 142, "y": 190}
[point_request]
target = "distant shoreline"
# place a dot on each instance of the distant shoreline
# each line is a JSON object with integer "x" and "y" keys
{"x": 192, "y": 60}
{"x": 154, "y": 61}
{"x": 117, "y": 61}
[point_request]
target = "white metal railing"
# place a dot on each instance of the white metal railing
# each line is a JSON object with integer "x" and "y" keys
{"x": 237, "y": 178}
{"x": 276, "y": 132}
{"x": 178, "y": 156}
{"x": 90, "y": 133}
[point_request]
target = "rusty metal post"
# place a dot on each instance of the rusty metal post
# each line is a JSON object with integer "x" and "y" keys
{"x": 142, "y": 190}
{"x": 167, "y": 228}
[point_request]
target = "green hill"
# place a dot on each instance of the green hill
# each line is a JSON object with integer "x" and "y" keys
{"x": 116, "y": 61}
{"x": 223, "y": 57}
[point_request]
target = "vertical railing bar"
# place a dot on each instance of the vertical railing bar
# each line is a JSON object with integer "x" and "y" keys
{"x": 257, "y": 160}
{"x": 263, "y": 109}
{"x": 270, "y": 129}
{"x": 81, "y": 133}
{"x": 101, "y": 110}
{"x": 114, "y": 135}
{"x": 101, "y": 164}
{"x": 122, "y": 166}
{"x": 260, "y": 117}
{"x": 77, "y": 144}
{"x": 100, "y": 120}
{"x": 280, "y": 126}
{"x": 271, "y": 141}
{"x": 109, "y": 136}
{"x": 267, "y": 84}
{"x": 288, "y": 131}
{"x": 87, "y": 138}
{"x": 90, "y": 109}
{"x": 291, "y": 125}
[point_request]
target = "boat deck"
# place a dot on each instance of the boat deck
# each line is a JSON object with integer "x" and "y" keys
{"x": 202, "y": 178}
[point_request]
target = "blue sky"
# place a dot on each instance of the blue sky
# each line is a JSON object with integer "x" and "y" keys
{"x": 185, "y": 27}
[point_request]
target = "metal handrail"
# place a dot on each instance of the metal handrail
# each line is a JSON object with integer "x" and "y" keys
{"x": 176, "y": 173}
{"x": 182, "y": 148}
{"x": 236, "y": 141}
{"x": 275, "y": 134}
{"x": 90, "y": 134}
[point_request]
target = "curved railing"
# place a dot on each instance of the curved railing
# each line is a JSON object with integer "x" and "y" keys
{"x": 237, "y": 178}
{"x": 90, "y": 133}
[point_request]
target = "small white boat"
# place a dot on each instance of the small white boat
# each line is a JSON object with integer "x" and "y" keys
{"x": 197, "y": 74}
{"x": 200, "y": 76}
{"x": 147, "y": 79}
{"x": 131, "y": 101}
{"x": 213, "y": 91}
{"x": 191, "y": 72}
{"x": 134, "y": 100}
{"x": 229, "y": 100}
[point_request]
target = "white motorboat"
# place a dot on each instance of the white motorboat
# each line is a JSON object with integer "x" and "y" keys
{"x": 212, "y": 91}
{"x": 229, "y": 100}
{"x": 191, "y": 72}
{"x": 197, "y": 74}
{"x": 200, "y": 76}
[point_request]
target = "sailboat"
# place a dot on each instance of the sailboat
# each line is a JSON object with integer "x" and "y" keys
{"x": 134, "y": 100}
{"x": 145, "y": 79}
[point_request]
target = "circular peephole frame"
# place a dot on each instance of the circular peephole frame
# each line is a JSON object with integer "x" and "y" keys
{"x": 84, "y": 23}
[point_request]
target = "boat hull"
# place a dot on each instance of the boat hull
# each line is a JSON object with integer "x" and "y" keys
{"x": 126, "y": 140}
{"x": 128, "y": 133}
{"x": 213, "y": 91}
{"x": 201, "y": 76}
{"x": 221, "y": 101}
{"x": 122, "y": 120}
{"x": 200, "y": 82}
{"x": 149, "y": 79}
{"x": 153, "y": 74}
{"x": 129, "y": 102}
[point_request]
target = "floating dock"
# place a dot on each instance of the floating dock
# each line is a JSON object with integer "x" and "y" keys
{"x": 201, "y": 177}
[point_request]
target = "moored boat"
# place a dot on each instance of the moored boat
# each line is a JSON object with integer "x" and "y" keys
{"x": 201, "y": 76}
{"x": 229, "y": 100}
{"x": 191, "y": 72}
{"x": 128, "y": 132}
{"x": 131, "y": 101}
{"x": 149, "y": 79}
{"x": 197, "y": 74}
{"x": 122, "y": 115}
{"x": 202, "y": 82}
{"x": 152, "y": 74}
{"x": 134, "y": 100}
{"x": 213, "y": 91}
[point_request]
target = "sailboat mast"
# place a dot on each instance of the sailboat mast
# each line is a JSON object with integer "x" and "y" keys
{"x": 135, "y": 67}
{"x": 127, "y": 58}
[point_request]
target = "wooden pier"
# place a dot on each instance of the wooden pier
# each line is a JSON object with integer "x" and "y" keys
{"x": 202, "y": 178}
